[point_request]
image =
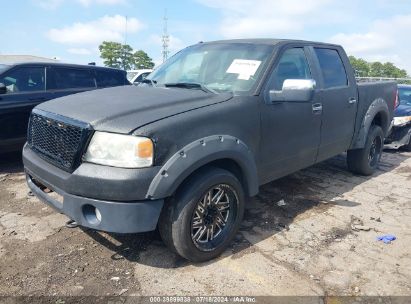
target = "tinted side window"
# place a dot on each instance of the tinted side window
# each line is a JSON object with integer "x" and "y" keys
{"x": 24, "y": 79}
{"x": 69, "y": 78}
{"x": 332, "y": 68}
{"x": 293, "y": 64}
{"x": 106, "y": 78}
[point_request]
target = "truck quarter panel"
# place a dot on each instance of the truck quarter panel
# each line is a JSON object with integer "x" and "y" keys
{"x": 375, "y": 103}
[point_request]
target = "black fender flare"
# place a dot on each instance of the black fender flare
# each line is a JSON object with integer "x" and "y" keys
{"x": 378, "y": 106}
{"x": 198, "y": 154}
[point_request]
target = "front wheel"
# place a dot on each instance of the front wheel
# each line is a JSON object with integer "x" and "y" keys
{"x": 201, "y": 220}
{"x": 365, "y": 161}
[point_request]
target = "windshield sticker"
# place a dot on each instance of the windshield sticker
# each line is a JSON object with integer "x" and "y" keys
{"x": 244, "y": 68}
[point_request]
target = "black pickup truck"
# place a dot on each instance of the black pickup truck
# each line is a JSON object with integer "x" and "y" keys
{"x": 212, "y": 124}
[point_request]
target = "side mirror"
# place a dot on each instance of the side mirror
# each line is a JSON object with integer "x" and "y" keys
{"x": 3, "y": 88}
{"x": 301, "y": 90}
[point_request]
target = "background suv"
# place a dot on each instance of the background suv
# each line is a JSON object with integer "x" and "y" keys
{"x": 25, "y": 85}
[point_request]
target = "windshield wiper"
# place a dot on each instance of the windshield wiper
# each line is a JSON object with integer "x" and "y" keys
{"x": 190, "y": 85}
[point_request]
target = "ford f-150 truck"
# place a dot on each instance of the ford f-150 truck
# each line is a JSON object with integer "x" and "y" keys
{"x": 184, "y": 151}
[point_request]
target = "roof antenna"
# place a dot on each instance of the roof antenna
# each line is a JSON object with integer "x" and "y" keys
{"x": 165, "y": 38}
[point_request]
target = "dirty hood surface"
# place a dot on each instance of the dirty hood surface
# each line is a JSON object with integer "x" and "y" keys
{"x": 124, "y": 109}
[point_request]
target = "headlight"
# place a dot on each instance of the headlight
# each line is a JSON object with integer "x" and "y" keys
{"x": 117, "y": 150}
{"x": 400, "y": 121}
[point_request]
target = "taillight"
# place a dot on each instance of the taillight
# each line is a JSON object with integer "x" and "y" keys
{"x": 396, "y": 101}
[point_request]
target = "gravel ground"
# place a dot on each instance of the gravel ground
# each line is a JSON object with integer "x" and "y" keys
{"x": 312, "y": 233}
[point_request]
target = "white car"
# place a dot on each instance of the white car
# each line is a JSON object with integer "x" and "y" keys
{"x": 137, "y": 76}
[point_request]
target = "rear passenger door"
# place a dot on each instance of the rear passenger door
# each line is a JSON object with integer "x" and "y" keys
{"x": 62, "y": 81}
{"x": 339, "y": 101}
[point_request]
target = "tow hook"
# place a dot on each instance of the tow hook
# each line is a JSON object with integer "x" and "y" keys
{"x": 71, "y": 224}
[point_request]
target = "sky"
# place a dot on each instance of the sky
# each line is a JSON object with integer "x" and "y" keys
{"x": 71, "y": 30}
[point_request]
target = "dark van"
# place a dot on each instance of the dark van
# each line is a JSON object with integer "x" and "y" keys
{"x": 25, "y": 85}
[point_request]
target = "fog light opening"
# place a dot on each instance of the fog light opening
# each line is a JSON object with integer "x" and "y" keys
{"x": 92, "y": 214}
{"x": 98, "y": 214}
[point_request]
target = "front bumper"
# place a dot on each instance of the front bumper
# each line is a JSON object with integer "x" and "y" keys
{"x": 399, "y": 136}
{"x": 94, "y": 181}
{"x": 116, "y": 213}
{"x": 118, "y": 217}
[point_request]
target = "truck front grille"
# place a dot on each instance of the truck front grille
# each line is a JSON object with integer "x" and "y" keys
{"x": 57, "y": 139}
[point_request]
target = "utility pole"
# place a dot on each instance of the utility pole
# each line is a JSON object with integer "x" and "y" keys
{"x": 125, "y": 32}
{"x": 165, "y": 38}
{"x": 123, "y": 54}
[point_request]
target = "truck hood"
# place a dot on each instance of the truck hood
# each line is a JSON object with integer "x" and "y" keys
{"x": 402, "y": 110}
{"x": 124, "y": 109}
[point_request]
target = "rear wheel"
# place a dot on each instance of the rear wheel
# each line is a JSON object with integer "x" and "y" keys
{"x": 200, "y": 221}
{"x": 365, "y": 161}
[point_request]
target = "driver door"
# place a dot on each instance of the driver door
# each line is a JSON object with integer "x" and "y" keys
{"x": 290, "y": 129}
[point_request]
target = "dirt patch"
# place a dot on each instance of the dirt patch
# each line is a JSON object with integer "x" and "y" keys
{"x": 296, "y": 239}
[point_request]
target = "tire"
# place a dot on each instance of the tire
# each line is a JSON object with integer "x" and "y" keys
{"x": 195, "y": 229}
{"x": 365, "y": 161}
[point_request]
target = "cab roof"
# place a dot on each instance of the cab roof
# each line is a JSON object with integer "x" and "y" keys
{"x": 270, "y": 41}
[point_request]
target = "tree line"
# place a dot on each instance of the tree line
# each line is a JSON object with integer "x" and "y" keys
{"x": 364, "y": 68}
{"x": 122, "y": 56}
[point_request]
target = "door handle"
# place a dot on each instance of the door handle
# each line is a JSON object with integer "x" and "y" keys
{"x": 352, "y": 101}
{"x": 317, "y": 108}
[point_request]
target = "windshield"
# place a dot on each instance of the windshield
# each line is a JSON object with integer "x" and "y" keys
{"x": 218, "y": 67}
{"x": 405, "y": 96}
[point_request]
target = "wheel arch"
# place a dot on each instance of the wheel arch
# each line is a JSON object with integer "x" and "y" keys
{"x": 222, "y": 151}
{"x": 377, "y": 114}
